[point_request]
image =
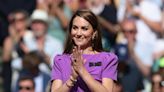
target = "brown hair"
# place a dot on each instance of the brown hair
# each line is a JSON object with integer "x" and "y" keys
{"x": 92, "y": 19}
{"x": 31, "y": 62}
{"x": 24, "y": 78}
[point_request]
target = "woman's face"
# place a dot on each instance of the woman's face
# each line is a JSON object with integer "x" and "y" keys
{"x": 81, "y": 32}
{"x": 39, "y": 28}
{"x": 20, "y": 21}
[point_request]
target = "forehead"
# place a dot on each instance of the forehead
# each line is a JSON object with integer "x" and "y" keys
{"x": 79, "y": 21}
{"x": 26, "y": 82}
{"x": 129, "y": 25}
{"x": 19, "y": 14}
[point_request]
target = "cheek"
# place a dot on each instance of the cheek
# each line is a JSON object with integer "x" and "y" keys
{"x": 73, "y": 33}
{"x": 20, "y": 24}
{"x": 88, "y": 36}
{"x": 38, "y": 27}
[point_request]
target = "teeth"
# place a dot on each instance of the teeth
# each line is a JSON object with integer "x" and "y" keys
{"x": 79, "y": 39}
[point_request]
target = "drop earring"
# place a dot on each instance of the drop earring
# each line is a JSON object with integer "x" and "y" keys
{"x": 92, "y": 40}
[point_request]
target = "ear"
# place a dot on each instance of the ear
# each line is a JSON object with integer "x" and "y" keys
{"x": 94, "y": 35}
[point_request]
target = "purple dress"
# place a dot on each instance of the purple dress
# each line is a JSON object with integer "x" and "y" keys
{"x": 101, "y": 65}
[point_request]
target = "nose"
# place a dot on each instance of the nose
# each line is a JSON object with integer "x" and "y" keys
{"x": 79, "y": 33}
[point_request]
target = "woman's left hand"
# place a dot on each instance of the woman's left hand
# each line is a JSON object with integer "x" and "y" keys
{"x": 78, "y": 60}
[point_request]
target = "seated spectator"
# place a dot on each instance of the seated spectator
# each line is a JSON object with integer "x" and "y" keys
{"x": 148, "y": 23}
{"x": 15, "y": 45}
{"x": 26, "y": 84}
{"x": 59, "y": 14}
{"x": 60, "y": 11}
{"x": 45, "y": 43}
{"x": 107, "y": 15}
{"x": 31, "y": 63}
{"x": 157, "y": 83}
{"x": 131, "y": 68}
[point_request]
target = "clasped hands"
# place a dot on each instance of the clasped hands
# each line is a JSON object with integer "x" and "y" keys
{"x": 77, "y": 62}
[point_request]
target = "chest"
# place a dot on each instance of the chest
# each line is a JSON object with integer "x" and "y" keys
{"x": 94, "y": 66}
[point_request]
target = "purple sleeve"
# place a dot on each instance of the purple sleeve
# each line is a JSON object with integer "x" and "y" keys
{"x": 56, "y": 69}
{"x": 110, "y": 66}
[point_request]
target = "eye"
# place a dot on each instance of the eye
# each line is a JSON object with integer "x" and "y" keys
{"x": 74, "y": 27}
{"x": 84, "y": 28}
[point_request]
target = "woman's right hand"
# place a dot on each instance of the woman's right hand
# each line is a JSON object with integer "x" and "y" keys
{"x": 74, "y": 73}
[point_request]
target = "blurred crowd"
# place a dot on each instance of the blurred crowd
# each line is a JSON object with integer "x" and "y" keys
{"x": 32, "y": 32}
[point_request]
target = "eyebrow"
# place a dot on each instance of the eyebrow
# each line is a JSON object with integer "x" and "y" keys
{"x": 81, "y": 26}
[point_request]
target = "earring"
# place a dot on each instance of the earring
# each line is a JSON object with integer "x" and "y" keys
{"x": 92, "y": 40}
{"x": 94, "y": 35}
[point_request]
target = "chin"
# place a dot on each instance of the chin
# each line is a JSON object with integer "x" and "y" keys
{"x": 79, "y": 44}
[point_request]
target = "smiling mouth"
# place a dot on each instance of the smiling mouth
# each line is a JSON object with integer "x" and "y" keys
{"x": 79, "y": 39}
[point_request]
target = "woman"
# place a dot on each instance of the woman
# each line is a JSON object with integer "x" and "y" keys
{"x": 84, "y": 67}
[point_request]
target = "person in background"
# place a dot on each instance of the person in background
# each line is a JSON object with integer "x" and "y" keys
{"x": 132, "y": 73}
{"x": 31, "y": 63}
{"x": 15, "y": 45}
{"x": 107, "y": 17}
{"x": 148, "y": 23}
{"x": 6, "y": 8}
{"x": 157, "y": 82}
{"x": 84, "y": 66}
{"x": 43, "y": 41}
{"x": 59, "y": 14}
{"x": 26, "y": 84}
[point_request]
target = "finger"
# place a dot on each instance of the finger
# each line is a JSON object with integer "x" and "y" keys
{"x": 78, "y": 48}
{"x": 73, "y": 51}
{"x": 74, "y": 62}
{"x": 78, "y": 52}
{"x": 72, "y": 57}
{"x": 74, "y": 70}
{"x": 74, "y": 74}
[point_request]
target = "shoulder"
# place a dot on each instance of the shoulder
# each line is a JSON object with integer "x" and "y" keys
{"x": 61, "y": 57}
{"x": 8, "y": 41}
{"x": 109, "y": 57}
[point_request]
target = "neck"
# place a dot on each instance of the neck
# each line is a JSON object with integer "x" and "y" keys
{"x": 40, "y": 39}
{"x": 89, "y": 50}
{"x": 21, "y": 33}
